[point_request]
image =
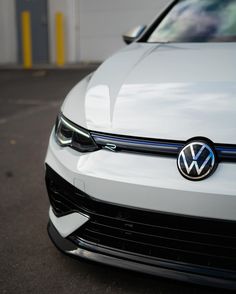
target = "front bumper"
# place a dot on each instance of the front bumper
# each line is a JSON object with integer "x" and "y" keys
{"x": 136, "y": 211}
{"x": 185, "y": 273}
{"x": 180, "y": 247}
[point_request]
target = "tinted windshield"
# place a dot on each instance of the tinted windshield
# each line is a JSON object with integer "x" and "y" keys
{"x": 198, "y": 21}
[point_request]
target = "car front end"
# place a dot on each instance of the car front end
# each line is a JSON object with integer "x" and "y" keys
{"x": 141, "y": 163}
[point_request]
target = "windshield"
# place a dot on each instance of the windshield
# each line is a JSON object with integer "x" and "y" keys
{"x": 198, "y": 21}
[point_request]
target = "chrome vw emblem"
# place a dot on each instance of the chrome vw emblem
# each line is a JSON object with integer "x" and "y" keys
{"x": 196, "y": 161}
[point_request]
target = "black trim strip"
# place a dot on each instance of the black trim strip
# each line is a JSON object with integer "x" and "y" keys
{"x": 147, "y": 33}
{"x": 182, "y": 272}
{"x": 225, "y": 152}
{"x": 137, "y": 144}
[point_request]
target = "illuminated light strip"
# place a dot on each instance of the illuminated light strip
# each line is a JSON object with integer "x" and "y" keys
{"x": 64, "y": 142}
{"x": 137, "y": 145}
{"x": 227, "y": 150}
{"x": 151, "y": 143}
{"x": 74, "y": 128}
{"x": 148, "y": 145}
{"x": 145, "y": 145}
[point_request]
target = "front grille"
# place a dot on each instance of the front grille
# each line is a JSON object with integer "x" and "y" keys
{"x": 175, "y": 238}
{"x": 163, "y": 236}
{"x": 160, "y": 147}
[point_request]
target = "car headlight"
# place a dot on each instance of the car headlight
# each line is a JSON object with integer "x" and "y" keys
{"x": 70, "y": 135}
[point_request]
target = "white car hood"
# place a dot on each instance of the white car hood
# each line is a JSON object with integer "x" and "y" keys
{"x": 168, "y": 91}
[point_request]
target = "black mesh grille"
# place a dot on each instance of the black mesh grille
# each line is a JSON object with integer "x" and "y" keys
{"x": 197, "y": 241}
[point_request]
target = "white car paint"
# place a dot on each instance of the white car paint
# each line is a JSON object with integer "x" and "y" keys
{"x": 165, "y": 91}
{"x": 155, "y": 91}
{"x": 149, "y": 141}
{"x": 147, "y": 182}
{"x": 67, "y": 224}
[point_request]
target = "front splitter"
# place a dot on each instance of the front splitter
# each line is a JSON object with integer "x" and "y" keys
{"x": 181, "y": 272}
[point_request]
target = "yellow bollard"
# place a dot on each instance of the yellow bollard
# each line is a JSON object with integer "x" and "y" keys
{"x": 26, "y": 39}
{"x": 60, "y": 42}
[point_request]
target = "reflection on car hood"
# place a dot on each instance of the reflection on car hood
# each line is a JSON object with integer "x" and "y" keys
{"x": 167, "y": 91}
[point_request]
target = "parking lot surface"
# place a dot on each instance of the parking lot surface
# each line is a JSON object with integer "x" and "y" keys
{"x": 29, "y": 263}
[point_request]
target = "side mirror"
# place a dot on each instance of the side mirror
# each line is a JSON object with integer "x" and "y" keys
{"x": 133, "y": 34}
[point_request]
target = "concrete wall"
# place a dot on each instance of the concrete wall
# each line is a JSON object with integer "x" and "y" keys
{"x": 8, "y": 42}
{"x": 102, "y": 23}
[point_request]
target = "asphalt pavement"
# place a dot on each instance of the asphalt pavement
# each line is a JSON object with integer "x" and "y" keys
{"x": 29, "y": 263}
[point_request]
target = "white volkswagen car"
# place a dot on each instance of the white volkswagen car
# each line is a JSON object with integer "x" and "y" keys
{"x": 141, "y": 163}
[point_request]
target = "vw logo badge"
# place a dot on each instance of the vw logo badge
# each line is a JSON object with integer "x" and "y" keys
{"x": 197, "y": 161}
